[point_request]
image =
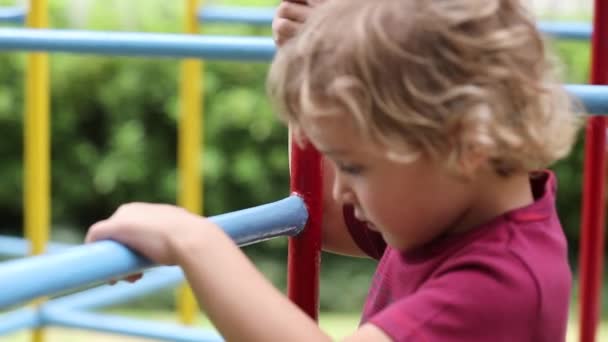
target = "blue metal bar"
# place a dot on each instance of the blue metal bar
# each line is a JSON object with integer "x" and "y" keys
{"x": 18, "y": 247}
{"x": 28, "y": 278}
{"x": 104, "y": 296}
{"x": 565, "y": 30}
{"x": 158, "y": 45}
{"x": 594, "y": 97}
{"x": 138, "y": 44}
{"x": 13, "y": 15}
{"x": 126, "y": 326}
{"x": 259, "y": 16}
{"x": 18, "y": 320}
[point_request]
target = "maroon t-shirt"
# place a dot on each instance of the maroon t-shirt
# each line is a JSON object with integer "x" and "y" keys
{"x": 507, "y": 280}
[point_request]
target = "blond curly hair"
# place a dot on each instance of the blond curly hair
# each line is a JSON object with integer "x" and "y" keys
{"x": 431, "y": 77}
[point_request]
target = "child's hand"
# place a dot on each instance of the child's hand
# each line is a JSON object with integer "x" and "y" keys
{"x": 290, "y": 15}
{"x": 154, "y": 230}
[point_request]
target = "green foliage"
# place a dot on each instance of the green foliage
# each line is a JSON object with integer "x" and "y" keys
{"x": 114, "y": 136}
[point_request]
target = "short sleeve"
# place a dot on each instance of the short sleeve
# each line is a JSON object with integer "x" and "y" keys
{"x": 369, "y": 241}
{"x": 471, "y": 302}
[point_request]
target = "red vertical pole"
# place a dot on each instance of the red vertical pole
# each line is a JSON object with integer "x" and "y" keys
{"x": 592, "y": 242}
{"x": 304, "y": 258}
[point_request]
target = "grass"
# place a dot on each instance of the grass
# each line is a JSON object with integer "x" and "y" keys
{"x": 338, "y": 325}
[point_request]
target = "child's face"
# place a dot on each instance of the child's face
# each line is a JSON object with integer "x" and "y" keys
{"x": 408, "y": 203}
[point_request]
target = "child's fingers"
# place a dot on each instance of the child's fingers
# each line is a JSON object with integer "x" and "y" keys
{"x": 315, "y": 2}
{"x": 283, "y": 30}
{"x": 134, "y": 277}
{"x": 297, "y": 1}
{"x": 105, "y": 229}
{"x": 96, "y": 230}
{"x": 110, "y": 227}
{"x": 130, "y": 278}
{"x": 308, "y": 2}
{"x": 294, "y": 11}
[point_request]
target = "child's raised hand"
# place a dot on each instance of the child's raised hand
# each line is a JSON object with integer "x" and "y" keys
{"x": 290, "y": 15}
{"x": 154, "y": 230}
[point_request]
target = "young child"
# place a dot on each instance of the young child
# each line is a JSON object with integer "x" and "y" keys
{"x": 437, "y": 119}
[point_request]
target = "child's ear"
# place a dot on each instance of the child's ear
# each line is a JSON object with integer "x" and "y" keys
{"x": 472, "y": 160}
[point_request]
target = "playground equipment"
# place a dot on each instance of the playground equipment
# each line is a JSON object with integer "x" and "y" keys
{"x": 27, "y": 279}
{"x": 15, "y": 15}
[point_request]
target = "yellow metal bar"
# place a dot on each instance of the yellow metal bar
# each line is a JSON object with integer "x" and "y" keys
{"x": 37, "y": 146}
{"x": 190, "y": 149}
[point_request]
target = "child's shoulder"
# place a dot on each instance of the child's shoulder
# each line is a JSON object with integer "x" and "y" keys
{"x": 510, "y": 278}
{"x": 530, "y": 235}
{"x": 527, "y": 241}
{"x": 520, "y": 263}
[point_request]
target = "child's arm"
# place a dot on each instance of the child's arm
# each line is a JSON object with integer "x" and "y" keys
{"x": 240, "y": 302}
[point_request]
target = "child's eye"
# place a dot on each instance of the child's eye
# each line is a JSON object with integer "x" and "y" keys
{"x": 350, "y": 169}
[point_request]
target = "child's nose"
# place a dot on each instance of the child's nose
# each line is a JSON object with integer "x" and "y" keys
{"x": 341, "y": 192}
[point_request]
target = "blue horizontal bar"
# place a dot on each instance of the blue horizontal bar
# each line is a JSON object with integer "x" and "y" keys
{"x": 259, "y": 16}
{"x": 13, "y": 15}
{"x": 28, "y": 278}
{"x": 126, "y": 326}
{"x": 594, "y": 97}
{"x": 138, "y": 44}
{"x": 18, "y": 247}
{"x": 18, "y": 320}
{"x": 104, "y": 296}
{"x": 567, "y": 30}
